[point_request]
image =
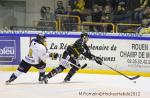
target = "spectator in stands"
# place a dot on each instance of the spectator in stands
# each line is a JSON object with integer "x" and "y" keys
{"x": 69, "y": 21}
{"x": 77, "y": 5}
{"x": 138, "y": 12}
{"x": 49, "y": 15}
{"x": 112, "y": 3}
{"x": 43, "y": 13}
{"x": 146, "y": 13}
{"x": 106, "y": 15}
{"x": 60, "y": 8}
{"x": 96, "y": 13}
{"x": 46, "y": 13}
{"x": 78, "y": 8}
{"x": 121, "y": 14}
{"x": 107, "y": 18}
{"x": 145, "y": 27}
{"x": 47, "y": 18}
{"x": 96, "y": 17}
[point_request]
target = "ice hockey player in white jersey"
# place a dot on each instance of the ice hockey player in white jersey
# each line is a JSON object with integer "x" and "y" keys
{"x": 38, "y": 53}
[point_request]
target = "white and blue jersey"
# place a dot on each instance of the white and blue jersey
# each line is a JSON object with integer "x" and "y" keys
{"x": 37, "y": 53}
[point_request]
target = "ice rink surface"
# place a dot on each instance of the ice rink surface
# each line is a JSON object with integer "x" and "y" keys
{"x": 81, "y": 86}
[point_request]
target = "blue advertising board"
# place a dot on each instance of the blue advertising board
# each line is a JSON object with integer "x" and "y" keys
{"x": 9, "y": 50}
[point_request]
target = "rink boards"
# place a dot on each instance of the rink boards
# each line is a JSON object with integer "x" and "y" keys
{"x": 129, "y": 53}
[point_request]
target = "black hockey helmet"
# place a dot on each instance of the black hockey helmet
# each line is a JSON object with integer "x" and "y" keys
{"x": 84, "y": 34}
{"x": 40, "y": 38}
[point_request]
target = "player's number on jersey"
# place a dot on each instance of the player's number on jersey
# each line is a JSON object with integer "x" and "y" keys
{"x": 30, "y": 53}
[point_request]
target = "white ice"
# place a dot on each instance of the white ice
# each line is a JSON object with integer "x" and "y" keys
{"x": 81, "y": 86}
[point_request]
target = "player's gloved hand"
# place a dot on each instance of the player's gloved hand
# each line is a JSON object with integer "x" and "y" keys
{"x": 98, "y": 60}
{"x": 53, "y": 56}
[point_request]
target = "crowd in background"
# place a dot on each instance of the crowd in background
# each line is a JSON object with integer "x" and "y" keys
{"x": 107, "y": 11}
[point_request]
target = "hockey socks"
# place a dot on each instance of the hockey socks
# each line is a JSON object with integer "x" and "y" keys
{"x": 55, "y": 71}
{"x": 72, "y": 71}
{"x": 41, "y": 75}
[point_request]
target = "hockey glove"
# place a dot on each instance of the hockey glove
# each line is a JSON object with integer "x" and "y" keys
{"x": 53, "y": 56}
{"x": 98, "y": 60}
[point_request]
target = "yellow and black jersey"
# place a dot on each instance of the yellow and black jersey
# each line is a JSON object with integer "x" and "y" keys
{"x": 78, "y": 48}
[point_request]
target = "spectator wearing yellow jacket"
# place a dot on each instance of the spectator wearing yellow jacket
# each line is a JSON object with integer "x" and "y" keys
{"x": 145, "y": 27}
{"x": 79, "y": 5}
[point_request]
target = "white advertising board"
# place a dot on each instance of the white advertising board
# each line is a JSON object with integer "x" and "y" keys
{"x": 122, "y": 53}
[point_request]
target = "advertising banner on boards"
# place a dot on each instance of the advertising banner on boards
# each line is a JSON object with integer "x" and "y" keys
{"x": 9, "y": 50}
{"x": 123, "y": 54}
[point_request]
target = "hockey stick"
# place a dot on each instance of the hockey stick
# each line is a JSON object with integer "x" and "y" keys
{"x": 130, "y": 78}
{"x": 82, "y": 67}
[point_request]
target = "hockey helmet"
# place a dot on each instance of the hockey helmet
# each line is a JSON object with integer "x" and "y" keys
{"x": 40, "y": 38}
{"x": 84, "y": 34}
